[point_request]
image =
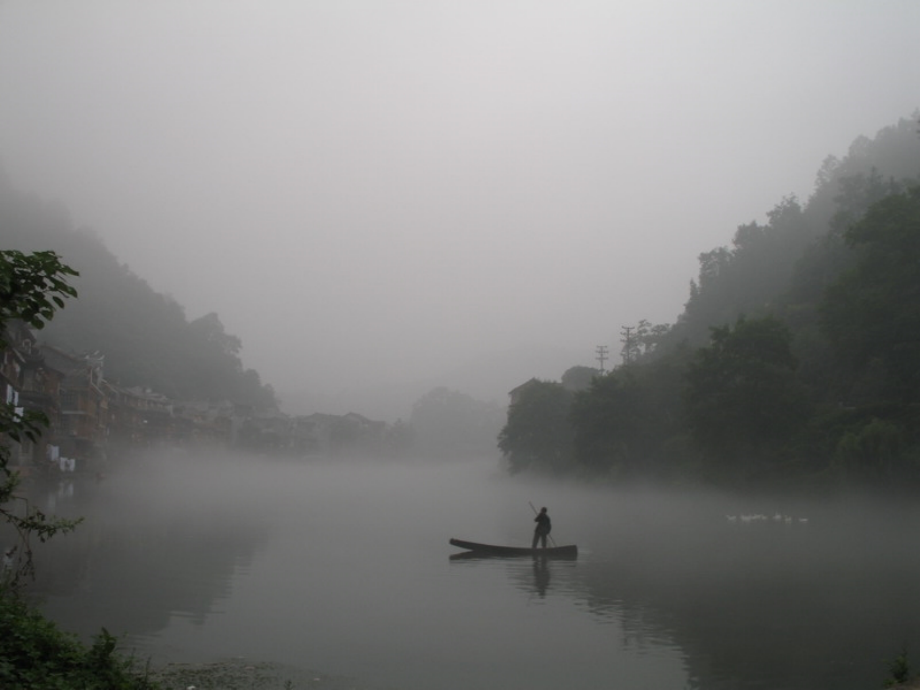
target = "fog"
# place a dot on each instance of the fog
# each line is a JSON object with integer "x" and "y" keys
{"x": 382, "y": 197}
{"x": 345, "y": 567}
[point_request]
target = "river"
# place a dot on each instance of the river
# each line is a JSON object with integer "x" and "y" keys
{"x": 345, "y": 567}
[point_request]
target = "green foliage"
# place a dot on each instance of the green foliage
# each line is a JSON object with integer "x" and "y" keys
{"x": 628, "y": 424}
{"x": 642, "y": 340}
{"x": 210, "y": 367}
{"x": 538, "y": 435}
{"x": 899, "y": 670}
{"x": 820, "y": 382}
{"x": 608, "y": 423}
{"x": 871, "y": 312}
{"x": 33, "y": 653}
{"x": 32, "y": 288}
{"x": 36, "y": 655}
{"x": 743, "y": 401}
{"x": 765, "y": 262}
{"x": 746, "y": 278}
{"x": 579, "y": 378}
{"x": 876, "y": 448}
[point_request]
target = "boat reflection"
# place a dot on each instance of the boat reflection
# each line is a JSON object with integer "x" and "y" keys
{"x": 486, "y": 556}
{"x": 569, "y": 552}
{"x": 535, "y": 580}
{"x": 541, "y": 575}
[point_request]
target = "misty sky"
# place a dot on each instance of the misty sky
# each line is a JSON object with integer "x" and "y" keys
{"x": 369, "y": 192}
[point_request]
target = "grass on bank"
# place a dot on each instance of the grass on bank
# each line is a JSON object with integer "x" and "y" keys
{"x": 36, "y": 655}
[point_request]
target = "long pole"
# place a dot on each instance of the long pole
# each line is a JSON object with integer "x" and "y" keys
{"x": 552, "y": 541}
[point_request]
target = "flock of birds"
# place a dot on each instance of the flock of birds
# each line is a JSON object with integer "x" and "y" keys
{"x": 777, "y": 518}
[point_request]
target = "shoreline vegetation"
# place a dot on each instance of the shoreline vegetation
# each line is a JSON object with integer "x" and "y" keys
{"x": 790, "y": 374}
{"x": 36, "y": 654}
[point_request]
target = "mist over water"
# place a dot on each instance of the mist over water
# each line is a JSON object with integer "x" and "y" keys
{"x": 344, "y": 567}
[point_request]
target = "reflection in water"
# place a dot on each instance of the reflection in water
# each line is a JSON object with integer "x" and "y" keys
{"x": 816, "y": 603}
{"x": 342, "y": 568}
{"x": 141, "y": 557}
{"x": 541, "y": 575}
{"x": 537, "y": 581}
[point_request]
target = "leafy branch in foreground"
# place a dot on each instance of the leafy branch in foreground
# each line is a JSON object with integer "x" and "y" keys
{"x": 32, "y": 288}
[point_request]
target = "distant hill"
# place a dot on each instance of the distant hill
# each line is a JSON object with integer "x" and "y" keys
{"x": 796, "y": 358}
{"x": 763, "y": 265}
{"x": 487, "y": 378}
{"x": 144, "y": 336}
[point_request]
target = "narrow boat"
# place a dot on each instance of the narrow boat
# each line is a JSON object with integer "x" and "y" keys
{"x": 482, "y": 550}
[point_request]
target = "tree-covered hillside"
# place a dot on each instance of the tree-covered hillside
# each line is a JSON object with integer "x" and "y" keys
{"x": 144, "y": 336}
{"x": 797, "y": 355}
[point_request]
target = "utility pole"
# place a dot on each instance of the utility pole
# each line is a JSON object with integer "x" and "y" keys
{"x": 601, "y": 351}
{"x": 626, "y": 332}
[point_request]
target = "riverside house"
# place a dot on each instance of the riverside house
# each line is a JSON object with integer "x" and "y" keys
{"x": 93, "y": 421}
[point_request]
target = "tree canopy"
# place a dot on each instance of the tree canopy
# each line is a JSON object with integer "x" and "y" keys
{"x": 872, "y": 312}
{"x": 538, "y": 435}
{"x": 796, "y": 357}
{"x": 742, "y": 399}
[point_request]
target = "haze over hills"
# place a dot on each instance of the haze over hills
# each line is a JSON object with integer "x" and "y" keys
{"x": 380, "y": 208}
{"x": 141, "y": 331}
{"x": 120, "y": 314}
{"x": 370, "y": 193}
{"x": 488, "y": 377}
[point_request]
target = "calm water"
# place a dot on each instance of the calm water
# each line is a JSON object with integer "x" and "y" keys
{"x": 345, "y": 568}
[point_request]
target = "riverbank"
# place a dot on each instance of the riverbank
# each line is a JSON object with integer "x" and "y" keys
{"x": 243, "y": 674}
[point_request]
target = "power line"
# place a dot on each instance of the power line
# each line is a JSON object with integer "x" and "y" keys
{"x": 626, "y": 332}
{"x": 602, "y": 357}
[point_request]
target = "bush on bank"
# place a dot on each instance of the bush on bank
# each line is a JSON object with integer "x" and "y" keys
{"x": 36, "y": 655}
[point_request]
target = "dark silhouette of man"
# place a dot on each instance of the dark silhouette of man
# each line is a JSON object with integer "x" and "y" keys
{"x": 543, "y": 528}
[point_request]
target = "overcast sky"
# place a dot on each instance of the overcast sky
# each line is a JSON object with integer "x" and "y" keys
{"x": 371, "y": 192}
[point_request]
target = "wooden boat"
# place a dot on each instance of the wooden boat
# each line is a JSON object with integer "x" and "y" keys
{"x": 483, "y": 550}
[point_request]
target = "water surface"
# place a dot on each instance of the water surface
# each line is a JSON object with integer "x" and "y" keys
{"x": 345, "y": 567}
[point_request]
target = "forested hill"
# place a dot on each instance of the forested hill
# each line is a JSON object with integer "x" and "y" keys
{"x": 145, "y": 336}
{"x": 796, "y": 358}
{"x": 792, "y": 257}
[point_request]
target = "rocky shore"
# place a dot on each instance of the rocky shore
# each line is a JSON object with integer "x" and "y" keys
{"x": 242, "y": 674}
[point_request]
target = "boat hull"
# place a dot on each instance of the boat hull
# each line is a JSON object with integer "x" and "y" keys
{"x": 481, "y": 550}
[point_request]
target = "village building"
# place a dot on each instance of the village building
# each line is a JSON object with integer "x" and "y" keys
{"x": 92, "y": 421}
{"x": 515, "y": 393}
{"x": 83, "y": 427}
{"x": 27, "y": 384}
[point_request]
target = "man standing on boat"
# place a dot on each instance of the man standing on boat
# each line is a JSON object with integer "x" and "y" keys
{"x": 542, "y": 529}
